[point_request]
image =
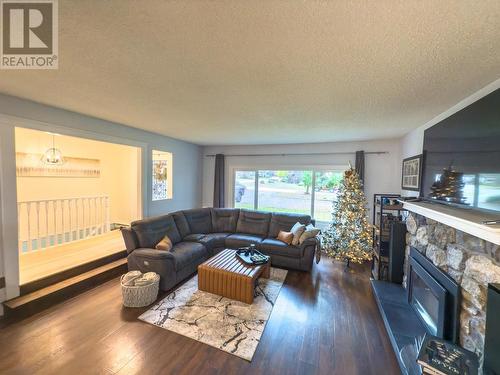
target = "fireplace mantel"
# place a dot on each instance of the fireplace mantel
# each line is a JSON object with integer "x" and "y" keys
{"x": 465, "y": 220}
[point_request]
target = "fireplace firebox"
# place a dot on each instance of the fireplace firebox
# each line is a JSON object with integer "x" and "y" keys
{"x": 434, "y": 296}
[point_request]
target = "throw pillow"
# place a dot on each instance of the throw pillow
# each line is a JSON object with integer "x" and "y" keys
{"x": 165, "y": 244}
{"x": 286, "y": 237}
{"x": 310, "y": 232}
{"x": 297, "y": 231}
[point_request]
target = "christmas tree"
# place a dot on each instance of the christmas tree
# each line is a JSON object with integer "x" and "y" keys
{"x": 349, "y": 236}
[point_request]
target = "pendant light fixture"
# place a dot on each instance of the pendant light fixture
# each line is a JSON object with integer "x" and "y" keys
{"x": 53, "y": 156}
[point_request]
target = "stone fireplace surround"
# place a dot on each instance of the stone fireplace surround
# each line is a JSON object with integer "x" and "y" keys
{"x": 471, "y": 261}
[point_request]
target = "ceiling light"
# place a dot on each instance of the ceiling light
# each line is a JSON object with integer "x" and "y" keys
{"x": 53, "y": 156}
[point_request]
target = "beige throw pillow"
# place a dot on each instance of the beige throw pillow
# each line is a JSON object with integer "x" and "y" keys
{"x": 165, "y": 244}
{"x": 286, "y": 237}
{"x": 310, "y": 232}
{"x": 297, "y": 231}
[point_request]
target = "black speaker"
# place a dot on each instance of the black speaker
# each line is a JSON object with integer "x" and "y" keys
{"x": 491, "y": 364}
{"x": 397, "y": 246}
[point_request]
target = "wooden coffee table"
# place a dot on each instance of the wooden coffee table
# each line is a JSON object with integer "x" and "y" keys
{"x": 226, "y": 275}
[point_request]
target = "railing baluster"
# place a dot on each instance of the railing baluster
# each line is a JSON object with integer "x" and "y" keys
{"x": 101, "y": 212}
{"x": 56, "y": 232}
{"x": 54, "y": 210}
{"x": 77, "y": 220}
{"x": 96, "y": 218}
{"x": 19, "y": 236}
{"x": 63, "y": 220}
{"x": 37, "y": 207}
{"x": 46, "y": 208}
{"x": 70, "y": 221}
{"x": 107, "y": 215}
{"x": 83, "y": 218}
{"x": 91, "y": 216}
{"x": 30, "y": 244}
{"x": 66, "y": 220}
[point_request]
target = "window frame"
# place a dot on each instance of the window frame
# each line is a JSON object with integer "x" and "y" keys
{"x": 313, "y": 169}
{"x": 170, "y": 174}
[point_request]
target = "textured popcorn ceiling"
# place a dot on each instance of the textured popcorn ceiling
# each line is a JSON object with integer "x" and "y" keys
{"x": 242, "y": 72}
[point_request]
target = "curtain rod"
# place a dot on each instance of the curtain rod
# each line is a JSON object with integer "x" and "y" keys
{"x": 304, "y": 154}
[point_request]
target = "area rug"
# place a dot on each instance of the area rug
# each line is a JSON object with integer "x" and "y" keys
{"x": 228, "y": 325}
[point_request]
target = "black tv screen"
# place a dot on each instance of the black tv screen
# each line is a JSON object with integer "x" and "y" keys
{"x": 462, "y": 157}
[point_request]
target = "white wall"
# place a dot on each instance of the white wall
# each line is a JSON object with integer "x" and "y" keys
{"x": 382, "y": 172}
{"x": 18, "y": 112}
{"x": 412, "y": 143}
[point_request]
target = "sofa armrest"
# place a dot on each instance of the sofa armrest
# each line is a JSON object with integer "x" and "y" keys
{"x": 158, "y": 261}
{"x": 153, "y": 254}
{"x": 309, "y": 242}
{"x": 130, "y": 239}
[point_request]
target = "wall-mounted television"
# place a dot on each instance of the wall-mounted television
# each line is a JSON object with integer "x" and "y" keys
{"x": 462, "y": 157}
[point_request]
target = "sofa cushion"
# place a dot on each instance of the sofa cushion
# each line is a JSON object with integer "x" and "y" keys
{"x": 199, "y": 220}
{"x": 310, "y": 232}
{"x": 165, "y": 244}
{"x": 253, "y": 222}
{"x": 150, "y": 231}
{"x": 237, "y": 240}
{"x": 272, "y": 246}
{"x": 285, "y": 222}
{"x": 224, "y": 219}
{"x": 286, "y": 237}
{"x": 185, "y": 253}
{"x": 297, "y": 231}
{"x": 181, "y": 223}
{"x": 194, "y": 237}
{"x": 215, "y": 240}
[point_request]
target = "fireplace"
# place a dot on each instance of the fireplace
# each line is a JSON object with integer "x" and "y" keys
{"x": 434, "y": 296}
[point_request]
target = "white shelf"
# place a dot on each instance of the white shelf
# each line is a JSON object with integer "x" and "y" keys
{"x": 466, "y": 220}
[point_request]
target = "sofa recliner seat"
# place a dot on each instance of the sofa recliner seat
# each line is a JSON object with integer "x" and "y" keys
{"x": 273, "y": 246}
{"x": 198, "y": 234}
{"x": 215, "y": 240}
{"x": 237, "y": 240}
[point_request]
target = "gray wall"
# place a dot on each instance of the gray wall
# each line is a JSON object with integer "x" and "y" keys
{"x": 382, "y": 172}
{"x": 187, "y": 169}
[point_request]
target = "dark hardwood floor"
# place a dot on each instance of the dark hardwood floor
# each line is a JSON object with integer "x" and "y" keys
{"x": 324, "y": 322}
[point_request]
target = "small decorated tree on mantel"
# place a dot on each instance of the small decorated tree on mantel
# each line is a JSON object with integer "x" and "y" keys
{"x": 349, "y": 236}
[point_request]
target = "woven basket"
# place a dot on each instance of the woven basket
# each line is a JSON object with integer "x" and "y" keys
{"x": 140, "y": 296}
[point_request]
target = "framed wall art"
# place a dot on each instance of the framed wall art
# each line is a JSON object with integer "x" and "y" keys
{"x": 412, "y": 173}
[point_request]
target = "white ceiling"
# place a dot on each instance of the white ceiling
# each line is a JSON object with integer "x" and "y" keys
{"x": 256, "y": 72}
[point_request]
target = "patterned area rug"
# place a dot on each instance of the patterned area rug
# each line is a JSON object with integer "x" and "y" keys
{"x": 228, "y": 325}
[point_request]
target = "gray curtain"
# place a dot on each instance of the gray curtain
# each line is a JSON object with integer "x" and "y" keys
{"x": 219, "y": 181}
{"x": 360, "y": 166}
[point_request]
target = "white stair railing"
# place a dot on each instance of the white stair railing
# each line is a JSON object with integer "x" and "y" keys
{"x": 51, "y": 222}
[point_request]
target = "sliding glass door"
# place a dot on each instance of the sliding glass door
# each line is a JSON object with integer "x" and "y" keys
{"x": 326, "y": 185}
{"x": 244, "y": 189}
{"x": 308, "y": 191}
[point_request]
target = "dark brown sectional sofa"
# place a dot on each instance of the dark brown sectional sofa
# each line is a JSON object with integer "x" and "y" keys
{"x": 198, "y": 234}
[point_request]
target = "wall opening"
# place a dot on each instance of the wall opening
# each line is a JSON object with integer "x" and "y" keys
{"x": 73, "y": 194}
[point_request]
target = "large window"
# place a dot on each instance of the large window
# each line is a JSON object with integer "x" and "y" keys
{"x": 297, "y": 191}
